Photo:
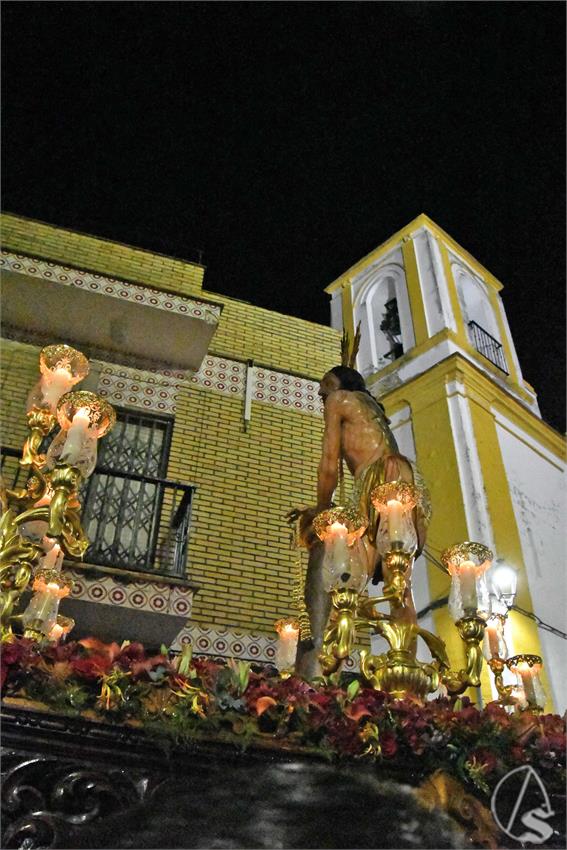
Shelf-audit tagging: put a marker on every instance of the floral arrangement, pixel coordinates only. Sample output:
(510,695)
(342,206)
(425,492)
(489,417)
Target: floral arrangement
(183,699)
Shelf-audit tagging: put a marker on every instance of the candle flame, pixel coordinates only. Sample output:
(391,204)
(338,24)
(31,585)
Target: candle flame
(56,632)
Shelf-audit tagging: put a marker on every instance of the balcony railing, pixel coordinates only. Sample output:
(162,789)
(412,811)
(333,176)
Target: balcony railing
(489,347)
(133,522)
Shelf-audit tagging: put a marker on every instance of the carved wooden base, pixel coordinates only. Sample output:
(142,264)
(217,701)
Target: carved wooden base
(74,783)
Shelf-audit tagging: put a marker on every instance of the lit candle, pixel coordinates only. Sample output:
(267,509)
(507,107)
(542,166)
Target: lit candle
(76,436)
(56,632)
(526,674)
(55,384)
(493,636)
(519,695)
(336,558)
(395,520)
(287,647)
(467,580)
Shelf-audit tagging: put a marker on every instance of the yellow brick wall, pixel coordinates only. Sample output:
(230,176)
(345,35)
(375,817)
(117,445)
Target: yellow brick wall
(282,342)
(26,236)
(246,482)
(19,371)
(245,332)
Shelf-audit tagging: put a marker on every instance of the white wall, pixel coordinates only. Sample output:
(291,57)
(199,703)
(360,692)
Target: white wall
(537,486)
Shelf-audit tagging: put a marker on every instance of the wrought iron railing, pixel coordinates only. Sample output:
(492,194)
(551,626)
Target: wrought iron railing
(134,522)
(489,347)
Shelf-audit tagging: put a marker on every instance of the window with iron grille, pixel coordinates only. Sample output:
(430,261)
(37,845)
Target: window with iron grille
(123,499)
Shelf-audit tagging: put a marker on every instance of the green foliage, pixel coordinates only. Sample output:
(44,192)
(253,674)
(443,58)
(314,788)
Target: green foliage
(184,665)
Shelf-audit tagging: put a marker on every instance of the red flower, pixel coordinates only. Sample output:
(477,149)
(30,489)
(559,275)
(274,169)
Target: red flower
(145,665)
(263,704)
(63,651)
(469,716)
(92,667)
(485,759)
(388,744)
(356,710)
(110,650)
(133,653)
(18,653)
(207,670)
(519,754)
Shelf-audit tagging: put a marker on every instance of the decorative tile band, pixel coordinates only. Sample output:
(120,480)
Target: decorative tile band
(159,597)
(162,598)
(34,267)
(157,390)
(246,646)
(222,643)
(286,391)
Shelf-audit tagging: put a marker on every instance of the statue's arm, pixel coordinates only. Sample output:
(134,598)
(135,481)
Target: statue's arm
(327,477)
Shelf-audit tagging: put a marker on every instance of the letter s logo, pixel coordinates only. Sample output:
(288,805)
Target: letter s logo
(542,831)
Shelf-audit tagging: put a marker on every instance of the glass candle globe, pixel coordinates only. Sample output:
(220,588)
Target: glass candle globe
(395,501)
(527,668)
(344,558)
(467,564)
(84,418)
(286,649)
(50,587)
(343,565)
(494,645)
(61,368)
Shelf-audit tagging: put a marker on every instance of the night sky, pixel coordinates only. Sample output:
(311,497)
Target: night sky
(287,140)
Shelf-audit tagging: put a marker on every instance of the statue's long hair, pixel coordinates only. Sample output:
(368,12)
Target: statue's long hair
(352,381)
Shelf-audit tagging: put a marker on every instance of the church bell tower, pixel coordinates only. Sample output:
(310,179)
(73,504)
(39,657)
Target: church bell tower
(436,349)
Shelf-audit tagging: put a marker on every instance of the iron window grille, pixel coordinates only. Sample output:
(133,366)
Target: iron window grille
(489,347)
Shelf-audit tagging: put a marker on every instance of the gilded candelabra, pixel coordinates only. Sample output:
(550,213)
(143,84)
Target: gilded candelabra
(40,523)
(397,671)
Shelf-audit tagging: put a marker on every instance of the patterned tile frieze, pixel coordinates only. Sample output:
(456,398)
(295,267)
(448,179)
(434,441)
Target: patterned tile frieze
(159,597)
(126,387)
(34,267)
(223,643)
(246,646)
(136,388)
(157,390)
(286,391)
(163,598)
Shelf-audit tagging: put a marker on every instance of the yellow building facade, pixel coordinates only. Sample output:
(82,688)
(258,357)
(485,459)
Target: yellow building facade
(245,427)
(232,390)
